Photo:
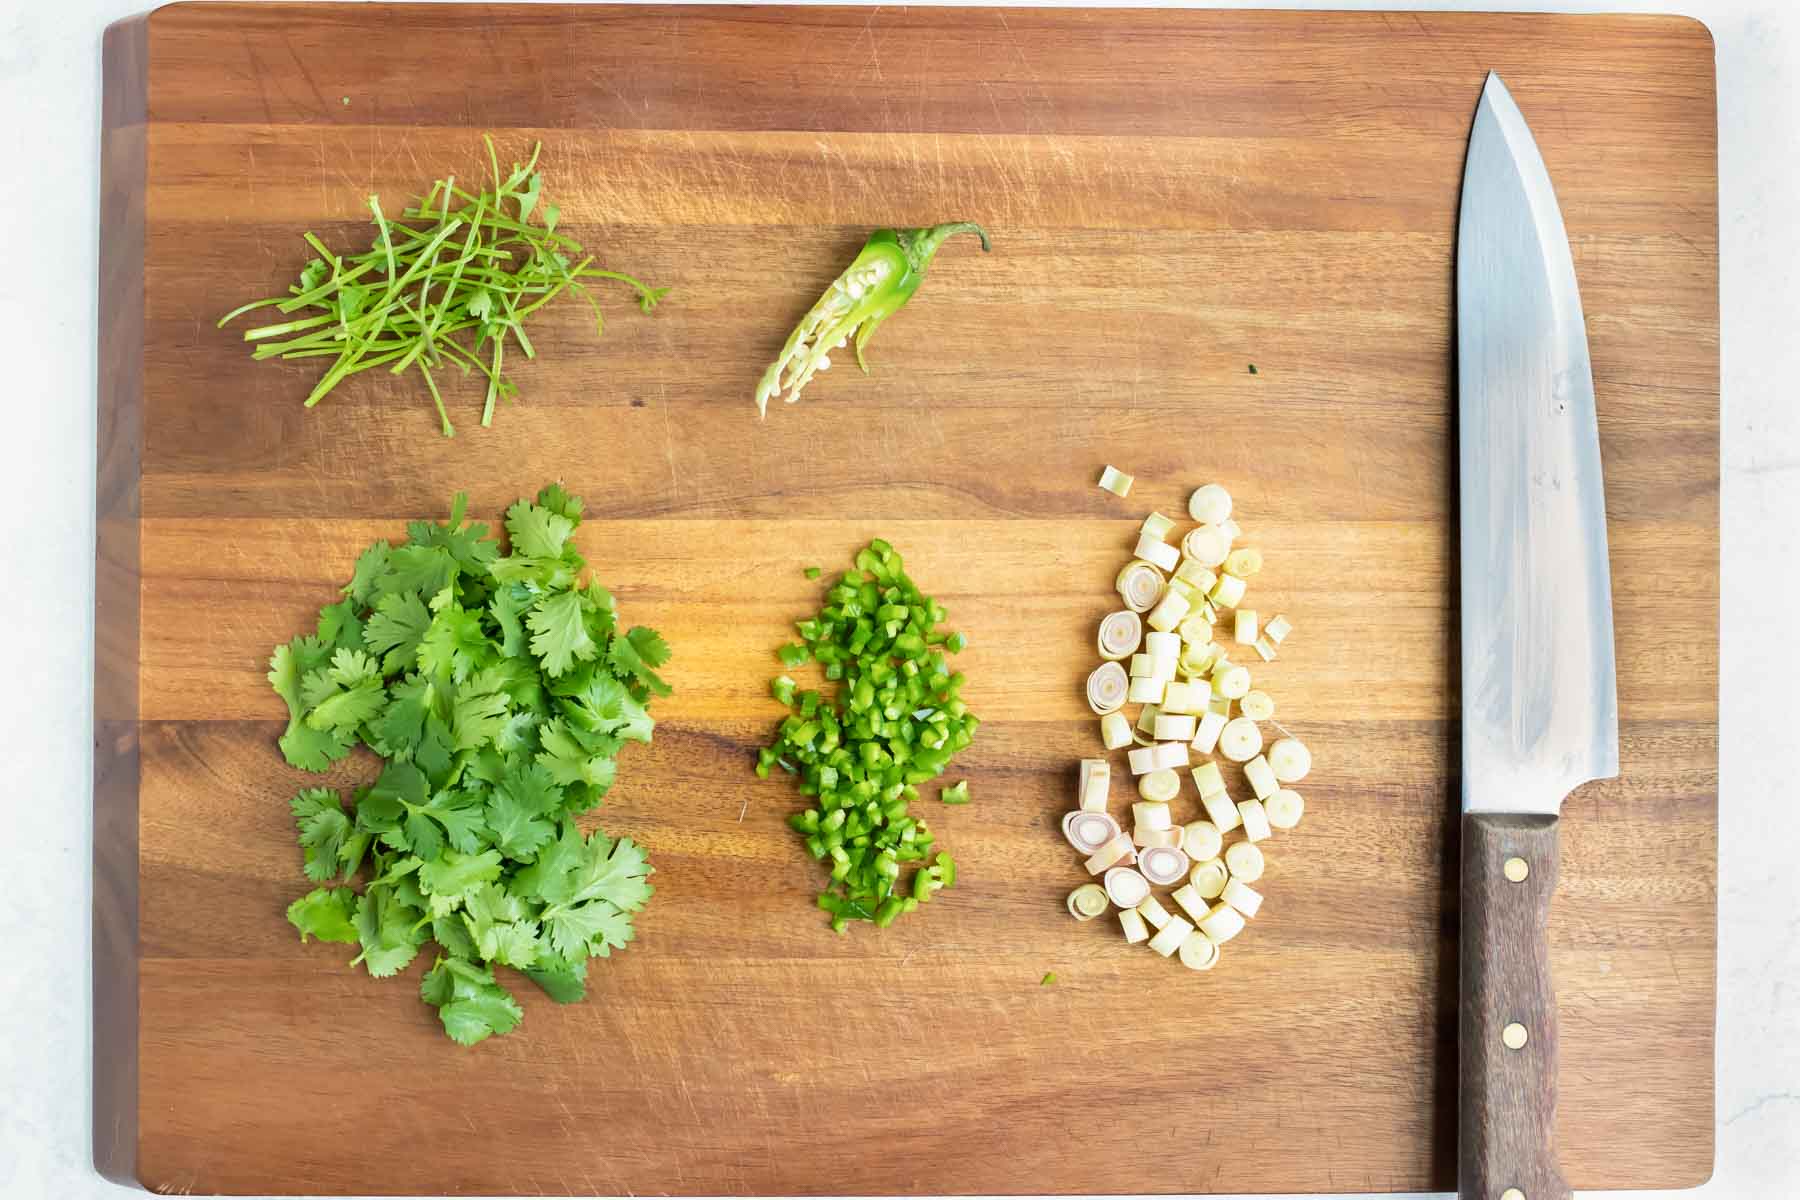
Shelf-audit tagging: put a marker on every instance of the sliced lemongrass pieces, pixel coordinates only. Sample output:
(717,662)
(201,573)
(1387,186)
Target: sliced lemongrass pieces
(1227,592)
(1198,952)
(1206,732)
(1278,628)
(1220,705)
(1191,901)
(1241,896)
(1178,700)
(1156,525)
(1173,728)
(1116,481)
(1146,689)
(1140,585)
(1121,633)
(1194,630)
(1168,939)
(1229,681)
(1158,553)
(1265,650)
(1256,821)
(1243,563)
(1116,852)
(1221,812)
(1168,613)
(1089,832)
(1206,545)
(1243,627)
(1142,760)
(1201,840)
(1115,731)
(1240,740)
(1170,756)
(1258,706)
(1284,809)
(1154,814)
(1087,902)
(1208,878)
(1157,788)
(1164,865)
(1146,720)
(1143,666)
(1222,923)
(1162,644)
(1133,925)
(1153,839)
(1107,686)
(1290,759)
(1153,912)
(1209,504)
(1095,783)
(1195,573)
(1261,777)
(1209,779)
(1126,888)
(1245,861)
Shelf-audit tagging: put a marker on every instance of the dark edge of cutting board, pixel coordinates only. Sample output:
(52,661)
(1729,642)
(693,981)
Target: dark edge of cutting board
(119,422)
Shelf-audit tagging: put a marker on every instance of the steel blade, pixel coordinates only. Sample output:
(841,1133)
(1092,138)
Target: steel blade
(1539,690)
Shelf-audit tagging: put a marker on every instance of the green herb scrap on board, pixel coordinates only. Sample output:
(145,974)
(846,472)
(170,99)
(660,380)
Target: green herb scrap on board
(894,721)
(498,691)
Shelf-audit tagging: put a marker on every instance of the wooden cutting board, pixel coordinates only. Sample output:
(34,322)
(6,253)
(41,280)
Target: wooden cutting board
(1173,196)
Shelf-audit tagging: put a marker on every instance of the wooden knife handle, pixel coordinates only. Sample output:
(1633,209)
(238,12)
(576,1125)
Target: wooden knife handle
(1507,1115)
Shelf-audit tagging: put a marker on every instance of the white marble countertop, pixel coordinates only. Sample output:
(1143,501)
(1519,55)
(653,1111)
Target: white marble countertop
(49,113)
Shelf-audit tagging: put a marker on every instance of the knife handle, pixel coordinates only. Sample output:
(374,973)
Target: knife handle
(1506,1119)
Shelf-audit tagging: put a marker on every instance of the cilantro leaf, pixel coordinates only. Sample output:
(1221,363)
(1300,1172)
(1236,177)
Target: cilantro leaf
(510,603)
(470,1004)
(537,532)
(302,745)
(396,628)
(518,832)
(559,635)
(426,570)
(325,913)
(453,644)
(456,874)
(552,876)
(634,655)
(401,724)
(559,501)
(616,872)
(461,815)
(339,626)
(387,930)
(592,928)
(475,720)
(563,753)
(324,828)
(371,566)
(564,981)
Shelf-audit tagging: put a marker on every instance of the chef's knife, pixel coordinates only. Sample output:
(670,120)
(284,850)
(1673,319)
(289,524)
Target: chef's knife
(1540,713)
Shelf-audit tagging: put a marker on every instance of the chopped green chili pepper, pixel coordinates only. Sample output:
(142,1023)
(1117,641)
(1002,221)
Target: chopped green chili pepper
(1048,979)
(877,283)
(956,795)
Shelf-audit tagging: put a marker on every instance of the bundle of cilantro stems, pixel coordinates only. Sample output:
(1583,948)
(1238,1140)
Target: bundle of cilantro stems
(895,721)
(497,690)
(471,265)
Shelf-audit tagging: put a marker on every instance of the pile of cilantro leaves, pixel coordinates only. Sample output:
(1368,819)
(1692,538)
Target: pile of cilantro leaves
(498,691)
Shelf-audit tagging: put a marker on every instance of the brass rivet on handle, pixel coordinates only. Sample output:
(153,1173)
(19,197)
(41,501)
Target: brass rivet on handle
(1515,1037)
(1512,1194)
(1516,870)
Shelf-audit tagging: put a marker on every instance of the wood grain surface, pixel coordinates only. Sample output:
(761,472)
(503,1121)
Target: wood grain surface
(1173,195)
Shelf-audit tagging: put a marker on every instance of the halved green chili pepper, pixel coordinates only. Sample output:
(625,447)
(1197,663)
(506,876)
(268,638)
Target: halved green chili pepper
(882,278)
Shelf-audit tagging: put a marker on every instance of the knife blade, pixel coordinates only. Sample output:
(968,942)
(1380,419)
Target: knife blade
(1539,686)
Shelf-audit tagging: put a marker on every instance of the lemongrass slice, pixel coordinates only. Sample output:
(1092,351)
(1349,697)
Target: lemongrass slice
(1284,809)
(1265,650)
(1258,706)
(1163,669)
(1198,659)
(1196,573)
(1221,811)
(1151,839)
(1230,681)
(1243,563)
(1207,545)
(1163,865)
(1152,911)
(1141,760)
(1191,901)
(1278,628)
(1170,727)
(1186,591)
(1121,633)
(1162,644)
(1206,609)
(1198,952)
(1209,878)
(1116,481)
(1256,821)
(1209,504)
(1106,688)
(1241,896)
(1156,525)
(1206,732)
(1146,720)
(1125,887)
(1157,552)
(1261,777)
(1154,814)
(1209,779)
(1245,861)
(1168,613)
(1133,925)
(1179,699)
(1115,731)
(1222,923)
(1201,840)
(1158,787)
(1087,831)
(1168,939)
(1220,705)
(1227,592)
(1243,629)
(1095,782)
(1140,585)
(1143,666)
(1240,740)
(1087,902)
(1118,850)
(1146,690)
(1291,759)
(1194,630)
(1170,756)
